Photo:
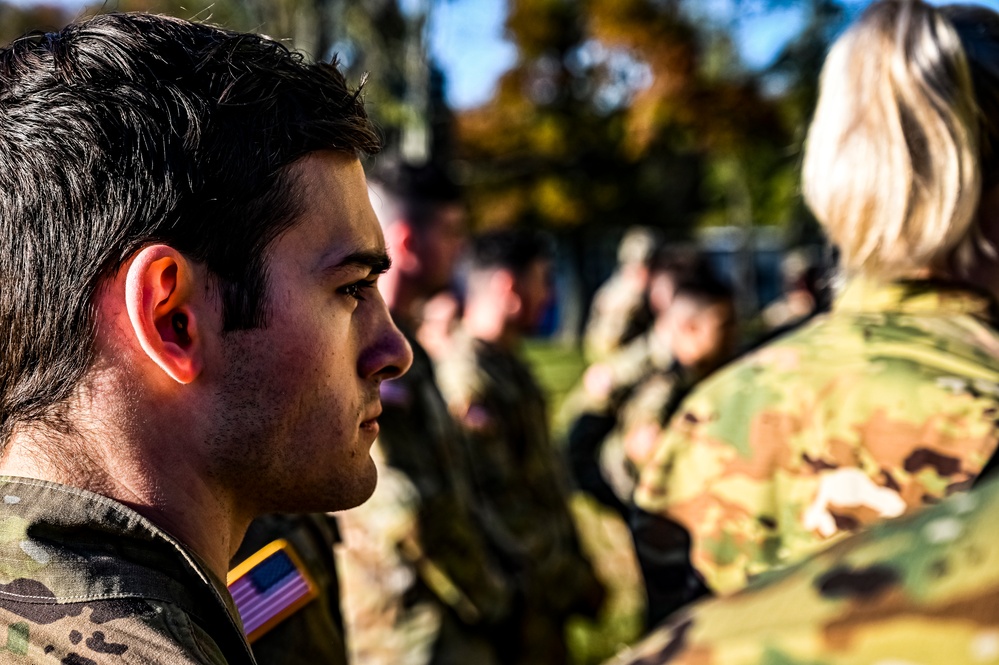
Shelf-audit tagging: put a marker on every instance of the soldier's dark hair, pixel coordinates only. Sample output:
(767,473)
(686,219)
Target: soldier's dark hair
(703,290)
(680,263)
(417,190)
(126,129)
(511,249)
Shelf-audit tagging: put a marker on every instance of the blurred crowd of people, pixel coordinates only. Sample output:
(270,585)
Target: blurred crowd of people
(865,402)
(828,485)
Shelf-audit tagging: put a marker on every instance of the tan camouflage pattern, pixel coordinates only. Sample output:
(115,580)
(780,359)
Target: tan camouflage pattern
(85,580)
(634,384)
(642,418)
(606,384)
(618,314)
(884,405)
(313,635)
(420,584)
(919,590)
(521,483)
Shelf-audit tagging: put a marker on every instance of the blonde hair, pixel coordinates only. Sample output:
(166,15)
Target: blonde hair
(892,166)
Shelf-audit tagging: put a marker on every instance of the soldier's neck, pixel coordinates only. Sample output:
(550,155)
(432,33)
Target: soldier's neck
(170,493)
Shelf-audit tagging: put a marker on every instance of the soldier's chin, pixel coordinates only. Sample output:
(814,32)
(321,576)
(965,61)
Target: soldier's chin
(366,490)
(336,494)
(360,488)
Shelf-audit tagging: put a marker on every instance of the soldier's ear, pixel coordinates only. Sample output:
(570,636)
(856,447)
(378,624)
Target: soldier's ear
(166,309)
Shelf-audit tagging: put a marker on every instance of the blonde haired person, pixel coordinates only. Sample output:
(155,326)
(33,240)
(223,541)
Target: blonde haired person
(891,400)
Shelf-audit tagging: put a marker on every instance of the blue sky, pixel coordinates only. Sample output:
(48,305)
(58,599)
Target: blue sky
(466,38)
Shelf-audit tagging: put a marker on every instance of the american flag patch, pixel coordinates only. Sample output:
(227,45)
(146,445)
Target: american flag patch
(270,586)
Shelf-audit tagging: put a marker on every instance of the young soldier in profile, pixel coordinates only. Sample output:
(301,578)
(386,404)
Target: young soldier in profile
(192,330)
(518,476)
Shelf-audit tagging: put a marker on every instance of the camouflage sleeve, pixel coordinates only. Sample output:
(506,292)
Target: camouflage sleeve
(703,482)
(448,546)
(920,589)
(106,632)
(375,576)
(783,452)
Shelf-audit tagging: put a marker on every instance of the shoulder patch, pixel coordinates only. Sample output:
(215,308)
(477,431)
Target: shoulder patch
(270,586)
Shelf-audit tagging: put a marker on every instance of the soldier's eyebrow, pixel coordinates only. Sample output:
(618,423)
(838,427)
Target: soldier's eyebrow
(377,262)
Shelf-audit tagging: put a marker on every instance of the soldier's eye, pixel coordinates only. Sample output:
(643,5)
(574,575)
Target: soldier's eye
(358,289)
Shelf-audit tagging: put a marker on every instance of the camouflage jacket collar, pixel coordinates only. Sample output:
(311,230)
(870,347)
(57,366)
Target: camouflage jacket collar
(916,297)
(62,544)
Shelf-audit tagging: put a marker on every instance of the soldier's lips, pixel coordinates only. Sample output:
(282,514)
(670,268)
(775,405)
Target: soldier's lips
(370,424)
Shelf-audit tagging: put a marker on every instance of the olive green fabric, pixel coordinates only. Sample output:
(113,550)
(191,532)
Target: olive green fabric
(919,590)
(85,580)
(521,482)
(886,404)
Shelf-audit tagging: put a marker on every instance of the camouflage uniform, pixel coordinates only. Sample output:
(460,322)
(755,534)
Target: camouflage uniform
(420,583)
(619,311)
(520,481)
(619,314)
(887,403)
(661,547)
(87,581)
(590,415)
(314,634)
(923,589)
(645,413)
(609,382)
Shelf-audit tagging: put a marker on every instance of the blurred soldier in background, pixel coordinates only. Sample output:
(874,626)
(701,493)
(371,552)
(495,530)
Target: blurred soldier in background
(698,329)
(888,402)
(805,293)
(592,407)
(420,583)
(440,318)
(517,471)
(620,311)
(702,332)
